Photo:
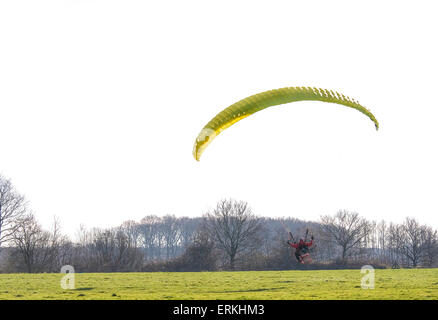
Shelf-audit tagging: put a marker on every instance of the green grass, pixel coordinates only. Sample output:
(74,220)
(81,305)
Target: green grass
(336,284)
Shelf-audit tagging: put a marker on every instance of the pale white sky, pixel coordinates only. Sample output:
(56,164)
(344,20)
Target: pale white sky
(101,101)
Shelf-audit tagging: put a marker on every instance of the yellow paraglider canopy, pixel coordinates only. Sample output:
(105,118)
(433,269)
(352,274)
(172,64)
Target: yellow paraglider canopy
(260,101)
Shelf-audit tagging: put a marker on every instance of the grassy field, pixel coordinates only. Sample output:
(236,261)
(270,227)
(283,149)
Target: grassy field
(336,284)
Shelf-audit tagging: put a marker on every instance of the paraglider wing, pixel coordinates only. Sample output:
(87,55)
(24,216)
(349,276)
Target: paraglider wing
(260,101)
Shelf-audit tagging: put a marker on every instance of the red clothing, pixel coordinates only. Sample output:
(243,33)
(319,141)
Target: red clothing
(300,244)
(293,245)
(301,249)
(308,244)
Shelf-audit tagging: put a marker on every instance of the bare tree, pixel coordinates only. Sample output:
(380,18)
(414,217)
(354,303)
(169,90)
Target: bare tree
(412,246)
(200,254)
(128,256)
(83,253)
(170,227)
(37,250)
(394,244)
(55,251)
(347,229)
(132,231)
(382,235)
(412,240)
(430,244)
(149,236)
(108,250)
(30,240)
(12,208)
(233,228)
(189,227)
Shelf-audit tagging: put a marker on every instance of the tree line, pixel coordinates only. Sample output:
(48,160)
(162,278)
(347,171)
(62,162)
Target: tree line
(228,237)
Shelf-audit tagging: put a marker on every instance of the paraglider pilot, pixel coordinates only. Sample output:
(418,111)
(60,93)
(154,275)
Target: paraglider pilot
(301,248)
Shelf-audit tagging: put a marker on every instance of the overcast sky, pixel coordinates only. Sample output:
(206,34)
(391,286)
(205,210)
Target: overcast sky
(101,102)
